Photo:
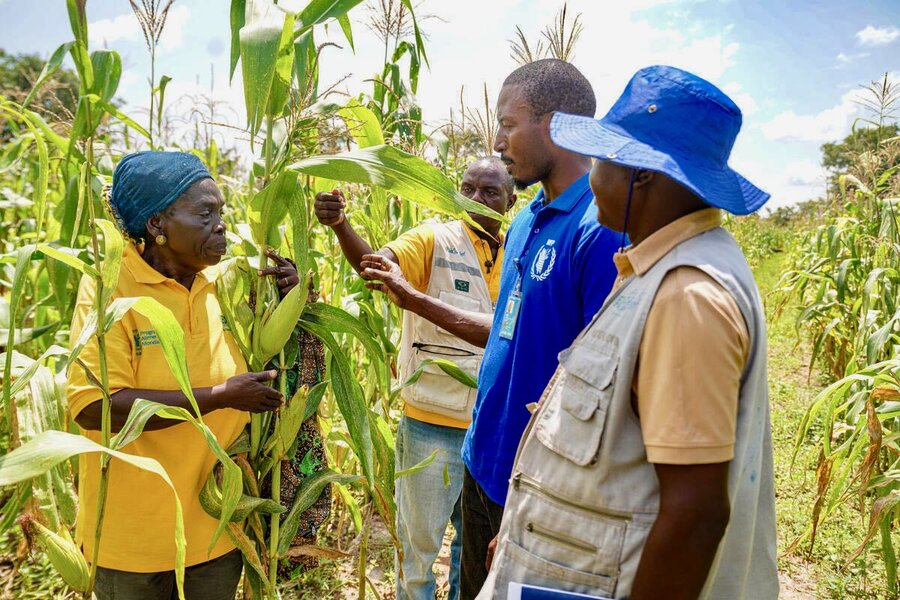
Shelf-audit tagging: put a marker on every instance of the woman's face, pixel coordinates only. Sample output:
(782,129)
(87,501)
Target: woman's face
(194,228)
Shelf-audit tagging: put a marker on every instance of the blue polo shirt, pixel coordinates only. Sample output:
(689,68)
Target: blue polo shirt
(565,260)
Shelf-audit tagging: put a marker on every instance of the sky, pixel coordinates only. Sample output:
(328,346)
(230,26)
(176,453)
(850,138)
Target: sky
(794,68)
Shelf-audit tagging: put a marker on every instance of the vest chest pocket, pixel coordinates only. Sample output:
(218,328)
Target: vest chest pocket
(571,424)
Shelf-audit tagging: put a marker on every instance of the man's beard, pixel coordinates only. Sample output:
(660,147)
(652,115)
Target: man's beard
(522,184)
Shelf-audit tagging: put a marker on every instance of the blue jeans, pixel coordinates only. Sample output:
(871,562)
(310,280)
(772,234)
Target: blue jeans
(425,505)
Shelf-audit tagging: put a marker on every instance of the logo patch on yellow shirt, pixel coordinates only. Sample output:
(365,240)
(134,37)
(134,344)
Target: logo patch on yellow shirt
(144,338)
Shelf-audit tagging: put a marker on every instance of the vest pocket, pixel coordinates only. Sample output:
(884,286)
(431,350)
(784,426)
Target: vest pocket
(571,424)
(436,388)
(524,567)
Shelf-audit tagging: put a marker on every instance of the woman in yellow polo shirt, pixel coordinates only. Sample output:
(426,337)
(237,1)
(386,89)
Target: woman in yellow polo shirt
(170,200)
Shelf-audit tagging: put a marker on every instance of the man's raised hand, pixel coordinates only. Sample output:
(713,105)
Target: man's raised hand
(329,207)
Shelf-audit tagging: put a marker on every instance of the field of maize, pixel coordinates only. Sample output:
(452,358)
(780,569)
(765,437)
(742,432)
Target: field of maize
(830,275)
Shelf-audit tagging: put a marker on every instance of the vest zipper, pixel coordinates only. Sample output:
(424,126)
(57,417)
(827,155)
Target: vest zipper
(560,538)
(520,479)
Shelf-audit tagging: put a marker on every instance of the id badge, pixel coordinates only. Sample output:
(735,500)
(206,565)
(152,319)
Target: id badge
(511,315)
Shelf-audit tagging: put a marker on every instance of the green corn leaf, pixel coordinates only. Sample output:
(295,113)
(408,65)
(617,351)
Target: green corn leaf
(171,339)
(347,29)
(350,400)
(49,69)
(284,66)
(306,63)
(68,256)
(22,378)
(309,492)
(318,11)
(362,124)
(269,207)
(163,83)
(114,246)
(107,107)
(40,191)
(406,175)
(287,426)
(260,38)
(141,412)
(313,399)
(22,335)
(211,501)
(78,22)
(448,367)
(107,67)
(352,505)
(48,449)
(336,320)
(253,567)
(418,466)
(420,44)
(299,212)
(237,16)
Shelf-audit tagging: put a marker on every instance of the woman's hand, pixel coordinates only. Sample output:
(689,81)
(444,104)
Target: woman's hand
(248,392)
(284,271)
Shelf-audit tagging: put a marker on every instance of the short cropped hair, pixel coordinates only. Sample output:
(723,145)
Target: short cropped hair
(508,183)
(551,84)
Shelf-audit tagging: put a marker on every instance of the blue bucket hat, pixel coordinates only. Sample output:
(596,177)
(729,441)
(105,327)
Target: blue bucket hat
(673,122)
(145,183)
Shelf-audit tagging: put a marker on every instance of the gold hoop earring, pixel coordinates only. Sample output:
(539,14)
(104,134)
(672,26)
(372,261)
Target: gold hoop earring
(161,240)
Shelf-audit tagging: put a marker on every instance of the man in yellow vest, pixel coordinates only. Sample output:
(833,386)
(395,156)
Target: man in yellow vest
(433,271)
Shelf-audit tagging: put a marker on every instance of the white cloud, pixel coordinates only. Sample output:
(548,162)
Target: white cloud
(744,100)
(106,32)
(828,125)
(842,60)
(804,173)
(825,126)
(877,36)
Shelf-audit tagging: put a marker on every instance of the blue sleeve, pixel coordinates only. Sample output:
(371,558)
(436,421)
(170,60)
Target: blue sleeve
(594,267)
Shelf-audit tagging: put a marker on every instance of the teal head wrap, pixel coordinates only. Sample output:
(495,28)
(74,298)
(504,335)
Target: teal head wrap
(145,183)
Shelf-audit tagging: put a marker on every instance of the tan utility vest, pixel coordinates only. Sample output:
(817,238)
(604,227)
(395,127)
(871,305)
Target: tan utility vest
(457,279)
(583,497)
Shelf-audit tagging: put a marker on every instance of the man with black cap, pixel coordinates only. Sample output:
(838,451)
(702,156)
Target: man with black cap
(647,471)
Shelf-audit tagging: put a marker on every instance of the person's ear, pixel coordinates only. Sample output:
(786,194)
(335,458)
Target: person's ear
(512,201)
(643,178)
(156,225)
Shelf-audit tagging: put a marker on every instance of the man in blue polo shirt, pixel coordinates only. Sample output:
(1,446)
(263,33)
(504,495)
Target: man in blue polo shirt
(557,273)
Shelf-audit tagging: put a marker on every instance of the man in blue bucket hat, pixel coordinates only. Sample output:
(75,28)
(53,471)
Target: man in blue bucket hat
(647,470)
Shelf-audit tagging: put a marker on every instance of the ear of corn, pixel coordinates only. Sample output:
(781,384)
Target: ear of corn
(64,555)
(275,328)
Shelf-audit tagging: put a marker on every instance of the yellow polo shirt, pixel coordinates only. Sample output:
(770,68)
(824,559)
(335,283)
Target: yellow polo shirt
(415,253)
(693,352)
(139,524)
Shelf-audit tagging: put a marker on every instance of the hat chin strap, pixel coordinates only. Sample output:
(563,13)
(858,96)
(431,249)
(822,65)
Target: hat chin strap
(627,209)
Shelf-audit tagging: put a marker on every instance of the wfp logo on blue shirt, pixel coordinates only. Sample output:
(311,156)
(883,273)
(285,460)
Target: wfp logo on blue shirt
(543,262)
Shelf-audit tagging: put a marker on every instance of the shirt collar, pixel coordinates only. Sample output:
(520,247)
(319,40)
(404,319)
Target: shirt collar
(473,235)
(566,201)
(144,273)
(637,260)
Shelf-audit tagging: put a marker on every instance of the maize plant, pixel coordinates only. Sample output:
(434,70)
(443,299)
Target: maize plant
(846,276)
(332,341)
